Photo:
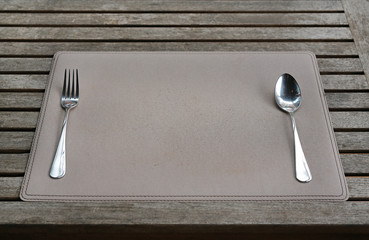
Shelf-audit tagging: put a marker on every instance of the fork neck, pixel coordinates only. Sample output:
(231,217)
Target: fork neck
(66,116)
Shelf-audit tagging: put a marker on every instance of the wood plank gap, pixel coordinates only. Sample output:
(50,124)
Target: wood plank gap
(31,73)
(32,129)
(323,56)
(11,175)
(170,12)
(13,151)
(351,129)
(359,175)
(179,25)
(344,90)
(47,72)
(174,40)
(342,73)
(348,109)
(51,56)
(25,72)
(353,151)
(20,109)
(22,90)
(318,56)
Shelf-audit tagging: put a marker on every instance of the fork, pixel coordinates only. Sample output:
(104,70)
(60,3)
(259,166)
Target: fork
(69,100)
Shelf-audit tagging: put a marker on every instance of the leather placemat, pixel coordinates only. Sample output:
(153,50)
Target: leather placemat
(184,126)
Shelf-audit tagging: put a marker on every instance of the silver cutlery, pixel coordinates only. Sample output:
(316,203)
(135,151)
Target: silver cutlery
(288,97)
(69,100)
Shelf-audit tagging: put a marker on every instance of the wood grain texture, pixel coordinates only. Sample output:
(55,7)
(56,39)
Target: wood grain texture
(15,141)
(20,100)
(357,15)
(174,33)
(50,48)
(350,120)
(9,65)
(344,82)
(340,65)
(170,5)
(352,141)
(358,188)
(193,19)
(25,64)
(18,120)
(355,164)
(351,101)
(32,31)
(10,187)
(13,164)
(181,214)
(23,82)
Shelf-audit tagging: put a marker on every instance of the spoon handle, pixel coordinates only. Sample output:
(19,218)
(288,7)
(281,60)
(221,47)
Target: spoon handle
(301,167)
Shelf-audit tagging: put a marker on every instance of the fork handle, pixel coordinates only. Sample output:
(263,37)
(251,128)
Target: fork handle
(58,167)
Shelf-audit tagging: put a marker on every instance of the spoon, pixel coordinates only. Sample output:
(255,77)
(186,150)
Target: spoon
(288,97)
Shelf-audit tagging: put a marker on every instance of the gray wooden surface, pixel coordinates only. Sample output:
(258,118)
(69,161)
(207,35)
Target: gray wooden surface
(32,31)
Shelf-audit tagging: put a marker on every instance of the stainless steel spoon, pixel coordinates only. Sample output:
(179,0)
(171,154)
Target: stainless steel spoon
(288,97)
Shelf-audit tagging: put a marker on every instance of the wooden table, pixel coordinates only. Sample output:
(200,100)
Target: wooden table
(32,31)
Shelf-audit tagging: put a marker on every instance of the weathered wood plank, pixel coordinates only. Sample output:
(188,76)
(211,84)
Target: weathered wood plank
(25,64)
(340,65)
(358,187)
(23,82)
(352,141)
(50,48)
(15,141)
(335,65)
(355,164)
(346,141)
(344,82)
(172,5)
(357,14)
(11,164)
(350,120)
(193,19)
(10,187)
(174,33)
(16,120)
(20,100)
(182,214)
(342,101)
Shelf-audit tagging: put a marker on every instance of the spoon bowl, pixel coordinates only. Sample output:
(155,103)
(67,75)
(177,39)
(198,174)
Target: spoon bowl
(287,93)
(288,97)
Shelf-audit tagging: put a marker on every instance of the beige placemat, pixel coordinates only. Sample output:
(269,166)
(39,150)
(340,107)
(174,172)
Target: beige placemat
(184,126)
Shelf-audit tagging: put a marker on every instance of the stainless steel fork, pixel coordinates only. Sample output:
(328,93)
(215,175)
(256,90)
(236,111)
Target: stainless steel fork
(69,100)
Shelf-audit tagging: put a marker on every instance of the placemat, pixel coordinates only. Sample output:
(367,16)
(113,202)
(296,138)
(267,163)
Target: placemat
(183,126)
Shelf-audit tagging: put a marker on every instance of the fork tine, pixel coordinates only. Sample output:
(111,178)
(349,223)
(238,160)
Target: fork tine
(65,83)
(72,92)
(68,88)
(77,85)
